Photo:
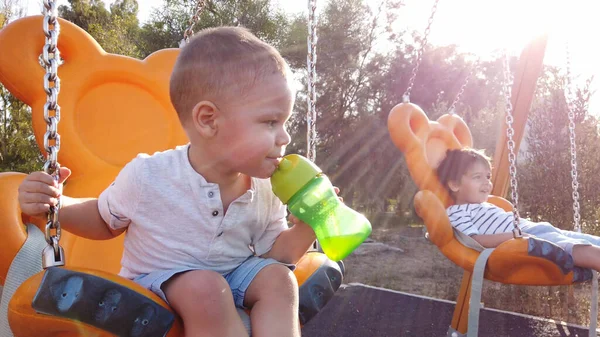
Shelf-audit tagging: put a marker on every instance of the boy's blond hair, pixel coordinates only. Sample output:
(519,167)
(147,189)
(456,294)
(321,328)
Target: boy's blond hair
(219,64)
(457,163)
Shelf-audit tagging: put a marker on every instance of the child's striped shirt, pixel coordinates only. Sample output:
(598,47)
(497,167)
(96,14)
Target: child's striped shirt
(484,218)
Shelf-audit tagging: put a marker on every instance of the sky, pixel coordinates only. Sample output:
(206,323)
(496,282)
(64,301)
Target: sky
(484,26)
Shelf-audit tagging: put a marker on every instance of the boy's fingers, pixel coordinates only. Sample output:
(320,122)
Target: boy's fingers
(336,189)
(38,198)
(38,187)
(44,177)
(39,191)
(293,219)
(64,174)
(41,177)
(36,210)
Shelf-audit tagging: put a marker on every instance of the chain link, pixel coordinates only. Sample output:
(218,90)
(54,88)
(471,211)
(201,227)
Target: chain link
(452,109)
(510,132)
(570,100)
(411,81)
(51,60)
(311,99)
(187,34)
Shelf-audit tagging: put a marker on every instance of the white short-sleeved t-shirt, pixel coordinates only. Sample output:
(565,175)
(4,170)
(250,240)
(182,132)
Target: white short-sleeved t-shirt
(175,218)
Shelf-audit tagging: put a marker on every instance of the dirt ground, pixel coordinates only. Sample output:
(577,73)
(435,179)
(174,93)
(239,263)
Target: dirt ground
(419,268)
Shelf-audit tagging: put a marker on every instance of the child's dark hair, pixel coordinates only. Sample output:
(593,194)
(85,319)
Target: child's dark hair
(457,163)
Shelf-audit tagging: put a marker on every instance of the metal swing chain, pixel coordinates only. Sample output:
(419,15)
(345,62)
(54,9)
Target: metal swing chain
(510,132)
(187,34)
(452,109)
(571,112)
(575,185)
(311,98)
(53,254)
(411,81)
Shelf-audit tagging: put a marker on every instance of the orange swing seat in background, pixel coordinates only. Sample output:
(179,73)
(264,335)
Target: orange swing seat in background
(112,108)
(424,144)
(521,261)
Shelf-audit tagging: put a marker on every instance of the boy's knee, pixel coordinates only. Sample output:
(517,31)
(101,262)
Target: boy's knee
(279,282)
(198,288)
(206,283)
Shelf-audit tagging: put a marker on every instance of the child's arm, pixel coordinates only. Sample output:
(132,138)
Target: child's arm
(461,219)
(292,243)
(79,216)
(493,240)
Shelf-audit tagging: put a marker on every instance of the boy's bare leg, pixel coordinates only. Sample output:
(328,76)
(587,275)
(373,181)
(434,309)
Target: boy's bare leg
(204,301)
(273,298)
(587,256)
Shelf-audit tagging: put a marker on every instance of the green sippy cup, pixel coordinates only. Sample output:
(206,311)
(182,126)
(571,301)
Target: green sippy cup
(310,196)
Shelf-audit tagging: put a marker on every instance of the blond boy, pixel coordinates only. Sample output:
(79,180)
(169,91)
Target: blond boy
(203,228)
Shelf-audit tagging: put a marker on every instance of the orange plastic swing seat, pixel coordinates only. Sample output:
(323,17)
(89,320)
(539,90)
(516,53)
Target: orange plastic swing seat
(112,108)
(424,144)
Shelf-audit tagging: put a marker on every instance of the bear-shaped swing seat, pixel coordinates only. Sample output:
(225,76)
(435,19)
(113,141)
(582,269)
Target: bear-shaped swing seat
(112,108)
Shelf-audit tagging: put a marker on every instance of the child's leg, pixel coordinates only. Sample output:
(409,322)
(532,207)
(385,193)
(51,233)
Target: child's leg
(273,298)
(584,248)
(204,301)
(587,256)
(595,240)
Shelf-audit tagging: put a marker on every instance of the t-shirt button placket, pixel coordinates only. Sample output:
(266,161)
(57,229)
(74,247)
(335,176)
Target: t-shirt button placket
(215,213)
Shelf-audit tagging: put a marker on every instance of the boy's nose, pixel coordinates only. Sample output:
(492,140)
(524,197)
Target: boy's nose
(283,138)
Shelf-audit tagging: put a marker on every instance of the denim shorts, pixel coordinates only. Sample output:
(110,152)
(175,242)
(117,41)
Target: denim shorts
(563,238)
(238,279)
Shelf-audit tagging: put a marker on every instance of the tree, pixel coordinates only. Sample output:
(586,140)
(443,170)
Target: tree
(167,24)
(348,67)
(18,150)
(548,156)
(358,84)
(117,30)
(10,10)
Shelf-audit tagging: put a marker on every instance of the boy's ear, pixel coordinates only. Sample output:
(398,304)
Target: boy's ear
(204,118)
(454,185)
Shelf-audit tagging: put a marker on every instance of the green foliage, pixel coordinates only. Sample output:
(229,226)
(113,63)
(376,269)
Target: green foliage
(167,24)
(363,69)
(117,30)
(18,151)
(545,181)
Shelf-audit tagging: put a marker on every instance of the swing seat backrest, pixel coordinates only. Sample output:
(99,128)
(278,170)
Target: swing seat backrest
(112,108)
(424,144)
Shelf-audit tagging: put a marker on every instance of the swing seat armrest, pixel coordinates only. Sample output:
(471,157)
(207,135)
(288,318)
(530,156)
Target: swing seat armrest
(83,302)
(79,302)
(525,261)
